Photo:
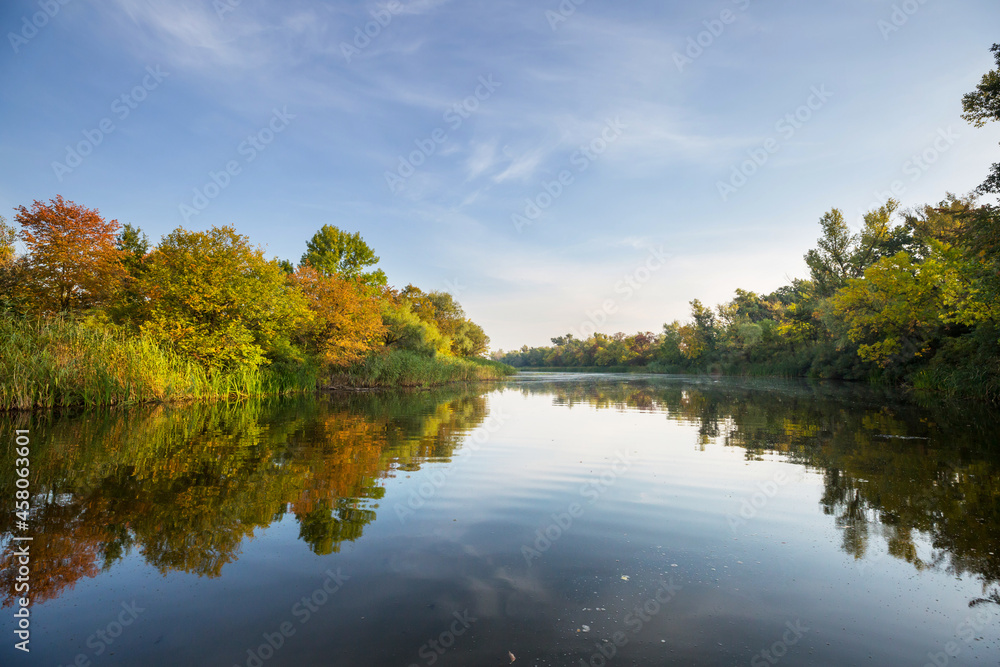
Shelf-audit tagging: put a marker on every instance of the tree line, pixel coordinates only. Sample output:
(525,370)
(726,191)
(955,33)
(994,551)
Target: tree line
(912,296)
(216,299)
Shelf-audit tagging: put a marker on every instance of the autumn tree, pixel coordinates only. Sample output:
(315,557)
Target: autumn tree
(941,222)
(975,295)
(216,299)
(346,323)
(420,303)
(8,237)
(73,262)
(895,310)
(334,252)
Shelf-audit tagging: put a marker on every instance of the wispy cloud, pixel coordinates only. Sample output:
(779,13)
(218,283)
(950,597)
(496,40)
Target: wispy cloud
(481,158)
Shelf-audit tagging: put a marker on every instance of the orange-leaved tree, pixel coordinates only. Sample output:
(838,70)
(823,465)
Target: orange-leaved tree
(347,323)
(73,261)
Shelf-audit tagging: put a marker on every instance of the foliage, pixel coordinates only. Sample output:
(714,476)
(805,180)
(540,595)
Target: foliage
(404,330)
(895,311)
(975,294)
(983,105)
(841,255)
(916,301)
(334,252)
(600,350)
(830,262)
(441,310)
(470,340)
(200,315)
(73,260)
(346,324)
(216,299)
(8,237)
(125,306)
(14,295)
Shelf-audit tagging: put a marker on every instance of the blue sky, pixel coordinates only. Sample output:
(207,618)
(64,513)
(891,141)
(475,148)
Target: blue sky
(566,158)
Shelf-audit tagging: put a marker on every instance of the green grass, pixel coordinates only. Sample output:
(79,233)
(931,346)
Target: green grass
(402,368)
(61,362)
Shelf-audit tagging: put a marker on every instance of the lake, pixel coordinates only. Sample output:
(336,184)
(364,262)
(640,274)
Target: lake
(562,519)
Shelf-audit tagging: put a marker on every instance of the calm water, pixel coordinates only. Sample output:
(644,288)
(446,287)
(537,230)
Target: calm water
(564,519)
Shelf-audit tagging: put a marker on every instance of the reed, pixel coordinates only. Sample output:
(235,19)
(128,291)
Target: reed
(402,368)
(61,362)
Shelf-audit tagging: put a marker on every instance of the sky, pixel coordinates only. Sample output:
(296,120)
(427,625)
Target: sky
(557,166)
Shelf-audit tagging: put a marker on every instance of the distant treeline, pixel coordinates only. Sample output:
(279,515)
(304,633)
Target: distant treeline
(915,302)
(913,296)
(94,314)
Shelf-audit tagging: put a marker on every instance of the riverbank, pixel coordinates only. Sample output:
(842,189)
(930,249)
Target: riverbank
(402,368)
(57,363)
(975,377)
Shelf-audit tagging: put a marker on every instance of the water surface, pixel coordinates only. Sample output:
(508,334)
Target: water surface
(608,519)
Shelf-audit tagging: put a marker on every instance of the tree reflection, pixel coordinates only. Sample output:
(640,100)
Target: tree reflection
(185,486)
(924,478)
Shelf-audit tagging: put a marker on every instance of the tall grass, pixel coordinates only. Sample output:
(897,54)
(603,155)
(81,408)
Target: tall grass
(60,362)
(402,368)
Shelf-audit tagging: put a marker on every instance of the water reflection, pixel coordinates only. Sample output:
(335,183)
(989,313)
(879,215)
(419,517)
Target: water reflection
(912,474)
(185,486)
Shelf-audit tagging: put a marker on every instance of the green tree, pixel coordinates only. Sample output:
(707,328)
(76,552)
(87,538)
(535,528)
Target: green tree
(441,310)
(841,255)
(334,252)
(698,337)
(216,299)
(878,238)
(830,262)
(406,331)
(983,105)
(470,340)
(437,308)
(128,301)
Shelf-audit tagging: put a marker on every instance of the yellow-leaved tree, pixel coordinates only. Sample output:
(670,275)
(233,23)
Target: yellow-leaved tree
(215,298)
